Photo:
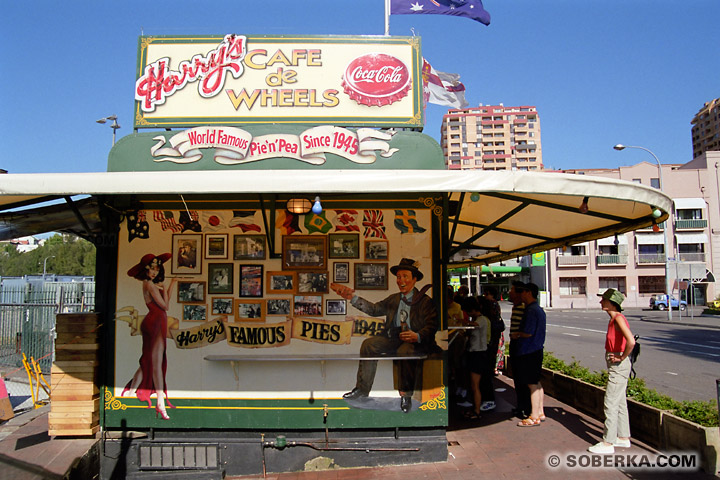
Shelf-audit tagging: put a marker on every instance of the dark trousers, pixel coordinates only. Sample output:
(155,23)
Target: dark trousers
(381,345)
(522,391)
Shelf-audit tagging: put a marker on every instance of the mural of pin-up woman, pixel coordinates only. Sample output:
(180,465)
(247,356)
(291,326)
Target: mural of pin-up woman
(150,375)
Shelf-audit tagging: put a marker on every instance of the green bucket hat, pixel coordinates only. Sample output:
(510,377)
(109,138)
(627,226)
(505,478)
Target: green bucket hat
(614,296)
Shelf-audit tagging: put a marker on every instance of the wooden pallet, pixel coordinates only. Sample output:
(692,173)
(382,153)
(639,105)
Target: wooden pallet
(75,398)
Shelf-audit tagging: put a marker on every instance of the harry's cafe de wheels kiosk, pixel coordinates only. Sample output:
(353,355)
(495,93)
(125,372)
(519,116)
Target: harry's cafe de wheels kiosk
(266,173)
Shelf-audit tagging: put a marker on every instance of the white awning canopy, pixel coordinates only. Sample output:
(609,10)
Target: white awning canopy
(686,238)
(689,203)
(499,214)
(650,238)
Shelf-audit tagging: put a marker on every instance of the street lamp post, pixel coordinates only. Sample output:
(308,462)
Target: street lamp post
(114,125)
(668,288)
(45,265)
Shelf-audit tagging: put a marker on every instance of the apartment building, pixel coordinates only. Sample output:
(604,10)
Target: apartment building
(635,263)
(706,128)
(492,137)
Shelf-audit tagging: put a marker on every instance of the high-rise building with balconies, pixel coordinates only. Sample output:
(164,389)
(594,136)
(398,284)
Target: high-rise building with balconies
(492,137)
(706,128)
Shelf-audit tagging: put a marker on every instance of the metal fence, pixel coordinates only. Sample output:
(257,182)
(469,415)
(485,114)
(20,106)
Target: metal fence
(27,325)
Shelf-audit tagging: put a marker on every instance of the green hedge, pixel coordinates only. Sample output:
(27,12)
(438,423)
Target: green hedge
(702,413)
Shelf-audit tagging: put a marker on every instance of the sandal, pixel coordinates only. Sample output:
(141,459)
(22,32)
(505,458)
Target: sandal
(542,417)
(529,422)
(472,415)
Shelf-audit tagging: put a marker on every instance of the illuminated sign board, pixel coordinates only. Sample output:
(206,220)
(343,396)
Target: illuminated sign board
(186,81)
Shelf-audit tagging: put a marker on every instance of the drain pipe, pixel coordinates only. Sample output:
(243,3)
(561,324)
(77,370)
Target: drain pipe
(281,443)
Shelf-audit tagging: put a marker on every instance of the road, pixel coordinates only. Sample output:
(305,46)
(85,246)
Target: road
(677,360)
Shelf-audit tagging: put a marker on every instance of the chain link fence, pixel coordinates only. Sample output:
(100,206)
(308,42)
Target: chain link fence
(27,326)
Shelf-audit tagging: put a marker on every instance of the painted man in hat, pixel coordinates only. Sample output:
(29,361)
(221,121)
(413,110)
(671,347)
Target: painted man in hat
(411,321)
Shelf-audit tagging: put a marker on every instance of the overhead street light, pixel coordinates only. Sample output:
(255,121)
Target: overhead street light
(45,265)
(114,125)
(668,288)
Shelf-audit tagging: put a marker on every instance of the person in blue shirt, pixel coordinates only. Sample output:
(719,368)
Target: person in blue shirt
(411,321)
(531,341)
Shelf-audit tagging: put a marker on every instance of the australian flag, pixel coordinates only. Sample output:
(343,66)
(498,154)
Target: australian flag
(472,9)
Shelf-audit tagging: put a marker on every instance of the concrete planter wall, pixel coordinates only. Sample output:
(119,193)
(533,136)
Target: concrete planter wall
(655,427)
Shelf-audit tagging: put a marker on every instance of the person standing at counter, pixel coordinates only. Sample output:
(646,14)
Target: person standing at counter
(411,321)
(531,339)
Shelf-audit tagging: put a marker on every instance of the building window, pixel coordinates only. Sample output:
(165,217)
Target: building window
(572,286)
(689,214)
(655,183)
(618,283)
(636,180)
(651,284)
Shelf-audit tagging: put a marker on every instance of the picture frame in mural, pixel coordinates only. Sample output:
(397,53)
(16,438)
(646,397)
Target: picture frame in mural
(251,281)
(344,245)
(220,278)
(304,252)
(307,305)
(194,313)
(221,306)
(335,306)
(249,310)
(281,281)
(249,247)
(216,246)
(341,272)
(186,253)
(376,250)
(371,276)
(313,282)
(278,306)
(190,292)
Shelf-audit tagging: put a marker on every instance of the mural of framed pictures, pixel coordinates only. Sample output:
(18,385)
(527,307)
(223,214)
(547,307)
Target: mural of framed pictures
(376,249)
(307,305)
(278,306)
(371,276)
(186,250)
(335,307)
(249,310)
(341,272)
(312,282)
(216,245)
(344,245)
(194,313)
(220,278)
(302,252)
(281,281)
(191,292)
(251,280)
(221,306)
(248,247)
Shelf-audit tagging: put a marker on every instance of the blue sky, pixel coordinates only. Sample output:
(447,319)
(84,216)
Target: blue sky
(599,72)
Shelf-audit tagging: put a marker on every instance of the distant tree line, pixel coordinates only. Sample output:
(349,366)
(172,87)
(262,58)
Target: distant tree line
(65,254)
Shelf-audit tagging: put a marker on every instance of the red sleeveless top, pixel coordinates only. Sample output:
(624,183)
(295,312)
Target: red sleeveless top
(614,339)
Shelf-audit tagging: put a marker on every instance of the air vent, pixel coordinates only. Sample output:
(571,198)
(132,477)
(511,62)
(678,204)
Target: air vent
(178,456)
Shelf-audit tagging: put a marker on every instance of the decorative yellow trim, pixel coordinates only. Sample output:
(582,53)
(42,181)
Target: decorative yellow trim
(435,403)
(430,203)
(112,403)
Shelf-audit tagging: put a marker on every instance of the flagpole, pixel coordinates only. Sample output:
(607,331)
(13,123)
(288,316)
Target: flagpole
(387,18)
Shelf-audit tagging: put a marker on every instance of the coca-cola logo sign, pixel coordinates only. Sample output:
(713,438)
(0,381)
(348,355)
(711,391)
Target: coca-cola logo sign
(376,79)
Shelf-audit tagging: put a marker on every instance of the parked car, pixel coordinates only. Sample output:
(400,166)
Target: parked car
(659,302)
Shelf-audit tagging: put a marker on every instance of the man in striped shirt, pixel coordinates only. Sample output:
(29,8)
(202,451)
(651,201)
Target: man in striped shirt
(522,392)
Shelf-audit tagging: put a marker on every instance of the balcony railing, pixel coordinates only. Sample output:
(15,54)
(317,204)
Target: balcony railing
(691,257)
(572,260)
(697,224)
(612,259)
(650,258)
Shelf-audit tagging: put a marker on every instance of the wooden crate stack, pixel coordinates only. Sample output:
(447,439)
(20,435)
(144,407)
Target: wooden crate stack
(75,398)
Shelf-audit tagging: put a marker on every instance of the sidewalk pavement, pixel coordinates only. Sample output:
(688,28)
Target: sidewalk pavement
(492,446)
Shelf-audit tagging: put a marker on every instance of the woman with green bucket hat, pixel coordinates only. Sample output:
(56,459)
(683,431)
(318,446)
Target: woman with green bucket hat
(619,342)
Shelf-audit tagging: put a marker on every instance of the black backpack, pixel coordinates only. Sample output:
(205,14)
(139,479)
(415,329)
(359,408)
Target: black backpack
(634,354)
